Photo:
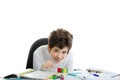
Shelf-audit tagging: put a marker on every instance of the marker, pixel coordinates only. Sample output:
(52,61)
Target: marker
(96,75)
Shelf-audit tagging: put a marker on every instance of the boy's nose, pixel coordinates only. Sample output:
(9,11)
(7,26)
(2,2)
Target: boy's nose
(60,55)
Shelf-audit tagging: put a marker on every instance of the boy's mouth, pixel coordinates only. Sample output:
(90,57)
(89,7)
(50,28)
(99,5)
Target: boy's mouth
(57,60)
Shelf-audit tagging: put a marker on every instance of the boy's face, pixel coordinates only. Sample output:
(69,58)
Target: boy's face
(58,54)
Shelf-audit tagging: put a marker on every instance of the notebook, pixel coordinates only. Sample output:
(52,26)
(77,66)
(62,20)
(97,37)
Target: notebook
(38,75)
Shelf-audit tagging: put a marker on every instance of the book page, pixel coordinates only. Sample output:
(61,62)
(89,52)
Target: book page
(38,74)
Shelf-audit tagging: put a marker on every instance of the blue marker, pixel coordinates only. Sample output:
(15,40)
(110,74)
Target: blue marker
(96,75)
(75,73)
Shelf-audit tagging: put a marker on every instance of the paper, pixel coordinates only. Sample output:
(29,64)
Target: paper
(39,74)
(80,74)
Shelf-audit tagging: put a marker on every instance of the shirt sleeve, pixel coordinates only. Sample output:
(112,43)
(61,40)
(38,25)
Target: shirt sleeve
(37,60)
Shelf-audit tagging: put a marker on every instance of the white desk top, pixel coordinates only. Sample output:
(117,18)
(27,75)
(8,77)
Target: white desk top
(83,76)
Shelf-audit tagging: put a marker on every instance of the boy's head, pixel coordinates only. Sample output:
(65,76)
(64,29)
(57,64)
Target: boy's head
(60,38)
(59,44)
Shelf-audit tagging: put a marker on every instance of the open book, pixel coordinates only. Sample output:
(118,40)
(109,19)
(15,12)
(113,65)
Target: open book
(30,75)
(38,75)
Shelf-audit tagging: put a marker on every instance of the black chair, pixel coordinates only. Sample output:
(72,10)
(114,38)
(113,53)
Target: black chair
(35,45)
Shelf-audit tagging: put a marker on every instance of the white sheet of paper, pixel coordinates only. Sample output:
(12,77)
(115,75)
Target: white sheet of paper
(39,74)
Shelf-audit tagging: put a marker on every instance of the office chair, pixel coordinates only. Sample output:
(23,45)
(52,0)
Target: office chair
(35,45)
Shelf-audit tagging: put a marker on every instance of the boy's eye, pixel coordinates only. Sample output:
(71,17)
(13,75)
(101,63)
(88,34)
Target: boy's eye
(64,52)
(56,50)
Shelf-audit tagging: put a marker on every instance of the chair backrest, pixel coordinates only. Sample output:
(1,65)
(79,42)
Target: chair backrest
(35,45)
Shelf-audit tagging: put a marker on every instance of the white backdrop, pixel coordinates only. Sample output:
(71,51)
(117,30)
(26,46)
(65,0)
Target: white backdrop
(94,24)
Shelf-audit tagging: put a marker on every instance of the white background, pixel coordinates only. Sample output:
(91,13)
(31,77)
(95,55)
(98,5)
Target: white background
(95,25)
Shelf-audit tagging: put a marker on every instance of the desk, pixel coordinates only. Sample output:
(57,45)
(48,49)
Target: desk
(88,76)
(41,75)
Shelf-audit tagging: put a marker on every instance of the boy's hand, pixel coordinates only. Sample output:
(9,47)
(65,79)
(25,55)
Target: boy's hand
(48,64)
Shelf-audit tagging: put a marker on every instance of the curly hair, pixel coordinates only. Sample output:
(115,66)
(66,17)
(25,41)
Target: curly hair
(60,38)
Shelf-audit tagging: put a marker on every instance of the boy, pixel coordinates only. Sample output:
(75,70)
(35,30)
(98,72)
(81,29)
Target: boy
(56,54)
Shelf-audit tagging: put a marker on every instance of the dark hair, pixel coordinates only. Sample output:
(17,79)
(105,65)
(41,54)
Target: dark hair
(60,38)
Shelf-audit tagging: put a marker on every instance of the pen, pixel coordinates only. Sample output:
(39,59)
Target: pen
(96,75)
(115,75)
